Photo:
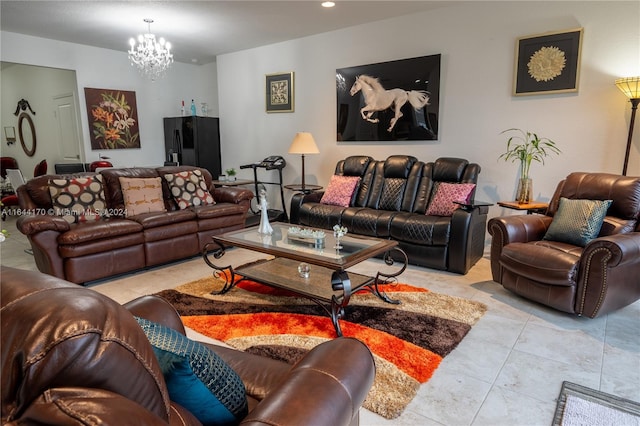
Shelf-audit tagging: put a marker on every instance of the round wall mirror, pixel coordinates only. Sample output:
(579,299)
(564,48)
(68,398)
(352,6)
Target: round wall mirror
(27,134)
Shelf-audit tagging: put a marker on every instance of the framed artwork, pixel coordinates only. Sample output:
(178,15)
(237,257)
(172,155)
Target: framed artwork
(389,101)
(113,118)
(548,63)
(279,92)
(10,134)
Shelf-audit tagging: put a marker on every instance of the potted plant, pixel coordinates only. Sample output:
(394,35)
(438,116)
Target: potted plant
(527,147)
(231,174)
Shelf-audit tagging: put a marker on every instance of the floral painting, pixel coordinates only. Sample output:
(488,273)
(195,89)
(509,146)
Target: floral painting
(113,118)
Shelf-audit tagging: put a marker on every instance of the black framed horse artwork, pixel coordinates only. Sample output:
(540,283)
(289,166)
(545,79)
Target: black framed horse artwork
(389,101)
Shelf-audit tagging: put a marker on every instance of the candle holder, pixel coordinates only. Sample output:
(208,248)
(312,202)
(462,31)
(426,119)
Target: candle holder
(338,233)
(303,270)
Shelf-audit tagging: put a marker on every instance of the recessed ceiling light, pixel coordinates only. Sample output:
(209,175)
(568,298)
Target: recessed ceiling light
(328,4)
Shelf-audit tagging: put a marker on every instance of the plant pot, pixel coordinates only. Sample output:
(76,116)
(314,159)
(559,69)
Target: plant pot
(231,178)
(524,195)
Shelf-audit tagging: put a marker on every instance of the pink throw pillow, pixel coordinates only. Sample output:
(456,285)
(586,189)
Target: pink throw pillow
(443,204)
(340,190)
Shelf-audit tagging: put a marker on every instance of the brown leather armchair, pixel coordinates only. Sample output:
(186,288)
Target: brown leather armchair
(593,280)
(71,356)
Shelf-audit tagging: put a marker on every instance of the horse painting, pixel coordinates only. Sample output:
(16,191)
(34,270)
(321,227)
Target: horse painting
(378,99)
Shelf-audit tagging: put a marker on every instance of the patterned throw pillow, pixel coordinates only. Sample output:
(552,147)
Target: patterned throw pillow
(577,221)
(340,190)
(196,377)
(78,199)
(142,195)
(446,193)
(189,188)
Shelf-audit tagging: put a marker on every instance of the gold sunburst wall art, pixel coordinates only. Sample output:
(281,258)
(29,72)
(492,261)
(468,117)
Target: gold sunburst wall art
(548,63)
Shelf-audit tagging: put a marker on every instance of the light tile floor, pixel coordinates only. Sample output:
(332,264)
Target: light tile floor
(507,371)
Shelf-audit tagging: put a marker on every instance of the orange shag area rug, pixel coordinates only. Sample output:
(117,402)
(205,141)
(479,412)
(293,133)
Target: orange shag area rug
(408,340)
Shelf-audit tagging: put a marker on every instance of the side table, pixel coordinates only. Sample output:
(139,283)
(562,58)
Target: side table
(237,182)
(532,207)
(305,189)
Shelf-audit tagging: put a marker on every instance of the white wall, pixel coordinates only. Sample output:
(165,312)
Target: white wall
(110,69)
(477,43)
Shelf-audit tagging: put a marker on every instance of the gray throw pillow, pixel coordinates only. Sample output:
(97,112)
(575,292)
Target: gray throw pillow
(577,221)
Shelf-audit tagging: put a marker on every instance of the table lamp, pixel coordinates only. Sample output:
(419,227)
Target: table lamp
(630,86)
(303,143)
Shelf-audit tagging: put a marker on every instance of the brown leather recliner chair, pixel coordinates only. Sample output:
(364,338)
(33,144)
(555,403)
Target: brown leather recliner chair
(71,356)
(593,280)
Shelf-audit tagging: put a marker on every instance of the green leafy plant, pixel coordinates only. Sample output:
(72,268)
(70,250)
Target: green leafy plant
(231,172)
(527,147)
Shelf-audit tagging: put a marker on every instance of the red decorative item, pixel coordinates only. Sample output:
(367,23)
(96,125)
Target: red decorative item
(96,164)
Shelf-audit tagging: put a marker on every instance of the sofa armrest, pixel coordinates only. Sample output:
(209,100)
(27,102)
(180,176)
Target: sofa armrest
(43,232)
(156,309)
(298,200)
(234,195)
(608,274)
(326,387)
(466,240)
(30,225)
(513,229)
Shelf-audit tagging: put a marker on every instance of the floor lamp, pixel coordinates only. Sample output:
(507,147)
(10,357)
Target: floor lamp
(303,143)
(630,86)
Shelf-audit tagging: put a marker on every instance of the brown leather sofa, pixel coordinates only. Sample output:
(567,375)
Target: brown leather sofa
(83,252)
(589,281)
(390,202)
(71,356)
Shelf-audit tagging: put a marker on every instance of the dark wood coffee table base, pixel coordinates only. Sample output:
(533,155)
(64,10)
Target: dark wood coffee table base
(282,273)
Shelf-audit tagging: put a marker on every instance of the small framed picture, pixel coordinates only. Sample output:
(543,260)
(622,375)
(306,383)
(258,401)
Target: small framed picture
(279,92)
(10,134)
(548,63)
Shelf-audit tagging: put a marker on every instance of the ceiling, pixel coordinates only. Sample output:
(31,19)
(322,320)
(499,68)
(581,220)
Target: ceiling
(198,30)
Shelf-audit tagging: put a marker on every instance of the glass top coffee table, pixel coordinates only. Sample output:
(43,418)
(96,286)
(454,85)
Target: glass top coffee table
(308,263)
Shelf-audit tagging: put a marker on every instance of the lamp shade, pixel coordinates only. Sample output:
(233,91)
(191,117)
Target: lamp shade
(303,143)
(630,86)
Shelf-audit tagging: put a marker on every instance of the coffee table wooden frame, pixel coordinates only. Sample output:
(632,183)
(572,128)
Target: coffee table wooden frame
(329,285)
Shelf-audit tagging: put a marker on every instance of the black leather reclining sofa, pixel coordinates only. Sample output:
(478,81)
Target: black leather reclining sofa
(390,201)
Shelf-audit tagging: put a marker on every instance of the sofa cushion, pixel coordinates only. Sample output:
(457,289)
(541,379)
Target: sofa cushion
(78,199)
(577,221)
(189,188)
(157,219)
(142,195)
(104,229)
(340,190)
(446,193)
(551,262)
(197,378)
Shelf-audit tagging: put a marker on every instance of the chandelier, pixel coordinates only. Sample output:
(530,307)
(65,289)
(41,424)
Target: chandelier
(151,57)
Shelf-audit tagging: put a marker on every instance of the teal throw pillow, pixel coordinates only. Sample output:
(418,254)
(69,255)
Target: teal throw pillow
(577,221)
(196,377)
